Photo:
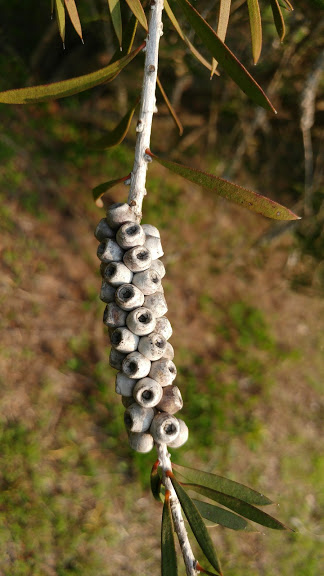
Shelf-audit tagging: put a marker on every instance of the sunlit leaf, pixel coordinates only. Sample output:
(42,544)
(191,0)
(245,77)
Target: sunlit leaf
(117,135)
(225,57)
(220,516)
(222,484)
(222,25)
(74,16)
(197,525)
(170,107)
(168,550)
(65,88)
(137,9)
(246,198)
(100,190)
(239,506)
(183,36)
(278,19)
(114,7)
(60,16)
(256,28)
(156,482)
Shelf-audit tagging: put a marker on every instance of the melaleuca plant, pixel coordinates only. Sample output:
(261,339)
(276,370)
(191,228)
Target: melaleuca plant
(132,271)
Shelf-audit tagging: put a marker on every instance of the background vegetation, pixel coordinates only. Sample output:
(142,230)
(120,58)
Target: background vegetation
(244,298)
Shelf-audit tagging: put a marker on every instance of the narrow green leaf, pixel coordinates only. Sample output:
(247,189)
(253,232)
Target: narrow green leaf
(222,484)
(286,4)
(168,551)
(74,16)
(197,525)
(243,508)
(220,516)
(65,88)
(278,19)
(225,57)
(60,16)
(172,111)
(100,190)
(117,135)
(137,9)
(183,36)
(114,7)
(222,25)
(256,28)
(156,482)
(246,198)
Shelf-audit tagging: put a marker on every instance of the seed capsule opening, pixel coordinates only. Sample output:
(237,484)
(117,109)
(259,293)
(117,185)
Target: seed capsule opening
(143,255)
(126,293)
(144,318)
(132,230)
(147,395)
(110,270)
(169,428)
(160,343)
(116,338)
(132,366)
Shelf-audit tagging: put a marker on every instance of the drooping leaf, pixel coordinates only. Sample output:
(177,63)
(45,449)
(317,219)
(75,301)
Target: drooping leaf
(183,36)
(60,16)
(197,524)
(137,9)
(256,28)
(170,107)
(286,4)
(222,484)
(114,8)
(220,516)
(239,506)
(65,88)
(100,190)
(246,198)
(74,16)
(117,135)
(168,551)
(156,482)
(222,25)
(225,57)
(278,19)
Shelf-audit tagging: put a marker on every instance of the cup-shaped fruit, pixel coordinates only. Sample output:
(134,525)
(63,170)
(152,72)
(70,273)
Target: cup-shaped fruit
(137,418)
(124,385)
(136,366)
(117,273)
(148,281)
(129,297)
(152,346)
(158,266)
(124,340)
(107,292)
(114,316)
(151,230)
(137,259)
(182,436)
(130,235)
(141,442)
(163,327)
(163,371)
(164,428)
(157,303)
(171,400)
(109,251)
(141,321)
(147,392)
(169,351)
(154,245)
(116,359)
(103,231)
(118,214)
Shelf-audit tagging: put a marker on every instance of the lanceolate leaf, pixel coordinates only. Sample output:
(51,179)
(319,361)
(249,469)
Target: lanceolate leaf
(65,88)
(233,192)
(74,16)
(223,485)
(100,190)
(222,25)
(278,19)
(114,7)
(220,516)
(117,135)
(168,551)
(137,9)
(60,15)
(287,4)
(170,107)
(225,57)
(197,525)
(256,28)
(246,510)
(156,482)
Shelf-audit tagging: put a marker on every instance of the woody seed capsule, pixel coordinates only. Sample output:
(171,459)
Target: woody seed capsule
(130,235)
(135,365)
(148,281)
(138,258)
(157,303)
(141,442)
(117,273)
(137,418)
(129,297)
(158,266)
(124,385)
(163,371)
(124,340)
(151,230)
(168,352)
(152,346)
(163,327)
(171,400)
(182,436)
(118,214)
(110,251)
(164,428)
(116,359)
(155,247)
(147,392)
(127,401)
(107,293)
(114,316)
(141,321)
(103,231)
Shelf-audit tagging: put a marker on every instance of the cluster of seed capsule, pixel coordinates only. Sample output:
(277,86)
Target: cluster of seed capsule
(138,328)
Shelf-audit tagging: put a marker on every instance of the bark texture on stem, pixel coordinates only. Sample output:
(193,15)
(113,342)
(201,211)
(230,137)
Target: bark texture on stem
(144,124)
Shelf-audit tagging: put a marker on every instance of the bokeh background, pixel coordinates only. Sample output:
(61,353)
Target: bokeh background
(244,294)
